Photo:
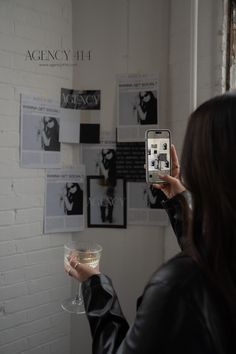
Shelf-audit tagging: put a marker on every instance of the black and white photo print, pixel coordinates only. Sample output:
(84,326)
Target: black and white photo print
(106,204)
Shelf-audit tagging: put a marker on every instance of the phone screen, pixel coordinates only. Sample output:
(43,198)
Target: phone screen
(157,155)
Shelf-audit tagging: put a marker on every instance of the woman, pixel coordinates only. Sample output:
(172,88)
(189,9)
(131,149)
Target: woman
(50,134)
(108,171)
(147,108)
(108,167)
(107,205)
(73,199)
(189,304)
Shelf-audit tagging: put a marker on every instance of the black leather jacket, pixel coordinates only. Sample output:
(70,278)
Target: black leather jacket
(179,312)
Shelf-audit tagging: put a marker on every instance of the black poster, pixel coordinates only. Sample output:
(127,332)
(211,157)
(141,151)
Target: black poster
(130,160)
(80,99)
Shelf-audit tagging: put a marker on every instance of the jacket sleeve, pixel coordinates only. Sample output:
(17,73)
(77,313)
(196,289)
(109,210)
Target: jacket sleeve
(107,323)
(175,210)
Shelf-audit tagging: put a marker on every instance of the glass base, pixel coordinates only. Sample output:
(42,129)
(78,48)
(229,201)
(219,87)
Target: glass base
(73,305)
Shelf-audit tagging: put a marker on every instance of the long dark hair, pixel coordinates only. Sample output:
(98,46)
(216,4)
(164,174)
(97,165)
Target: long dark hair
(208,170)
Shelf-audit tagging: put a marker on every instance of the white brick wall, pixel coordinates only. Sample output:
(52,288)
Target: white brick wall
(32,280)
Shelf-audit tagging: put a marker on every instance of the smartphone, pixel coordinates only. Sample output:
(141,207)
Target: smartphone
(158,160)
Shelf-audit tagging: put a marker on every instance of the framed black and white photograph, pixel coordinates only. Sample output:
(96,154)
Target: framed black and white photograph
(106,203)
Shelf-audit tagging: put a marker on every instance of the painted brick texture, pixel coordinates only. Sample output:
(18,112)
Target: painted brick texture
(32,281)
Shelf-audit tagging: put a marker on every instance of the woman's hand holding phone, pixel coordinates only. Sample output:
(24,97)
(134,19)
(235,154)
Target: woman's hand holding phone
(172,185)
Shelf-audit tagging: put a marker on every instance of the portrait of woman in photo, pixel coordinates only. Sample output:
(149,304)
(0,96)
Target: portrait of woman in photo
(107,166)
(49,132)
(108,171)
(73,199)
(107,205)
(146,108)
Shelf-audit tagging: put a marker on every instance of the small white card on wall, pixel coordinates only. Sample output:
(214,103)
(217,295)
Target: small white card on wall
(70,126)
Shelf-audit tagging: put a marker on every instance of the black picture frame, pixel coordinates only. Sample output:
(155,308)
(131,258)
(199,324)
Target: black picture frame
(106,204)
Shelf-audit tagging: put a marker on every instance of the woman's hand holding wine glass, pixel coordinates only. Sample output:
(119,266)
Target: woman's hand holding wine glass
(81,260)
(80,271)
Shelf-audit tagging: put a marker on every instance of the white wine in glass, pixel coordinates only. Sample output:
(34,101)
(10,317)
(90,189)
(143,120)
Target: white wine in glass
(86,253)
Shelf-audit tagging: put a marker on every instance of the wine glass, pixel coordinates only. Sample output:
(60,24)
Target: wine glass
(87,253)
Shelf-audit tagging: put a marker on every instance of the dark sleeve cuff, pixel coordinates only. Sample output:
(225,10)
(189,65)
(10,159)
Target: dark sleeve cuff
(107,323)
(174,208)
(98,293)
(94,280)
(176,200)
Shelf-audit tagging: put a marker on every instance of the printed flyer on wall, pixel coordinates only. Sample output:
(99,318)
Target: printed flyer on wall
(144,205)
(137,105)
(64,200)
(40,127)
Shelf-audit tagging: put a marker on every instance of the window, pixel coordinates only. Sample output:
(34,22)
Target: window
(231,47)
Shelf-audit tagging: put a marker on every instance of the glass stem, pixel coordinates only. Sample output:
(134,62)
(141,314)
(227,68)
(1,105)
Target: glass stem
(78,292)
